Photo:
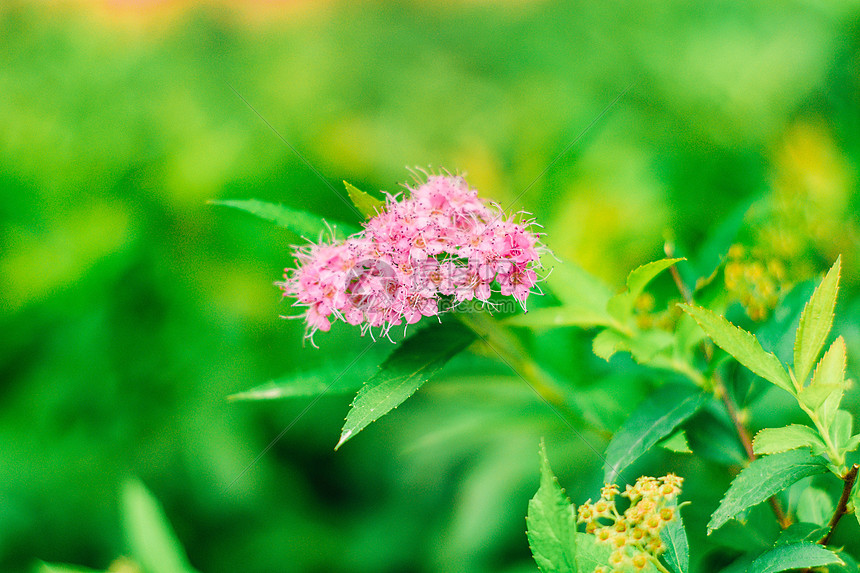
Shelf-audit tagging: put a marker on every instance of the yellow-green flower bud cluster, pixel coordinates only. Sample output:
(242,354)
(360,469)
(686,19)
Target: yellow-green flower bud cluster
(634,535)
(754,283)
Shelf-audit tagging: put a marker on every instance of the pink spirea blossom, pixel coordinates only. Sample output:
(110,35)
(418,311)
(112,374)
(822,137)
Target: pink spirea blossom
(439,240)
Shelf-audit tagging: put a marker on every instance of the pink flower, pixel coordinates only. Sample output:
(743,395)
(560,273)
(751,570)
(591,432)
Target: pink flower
(440,241)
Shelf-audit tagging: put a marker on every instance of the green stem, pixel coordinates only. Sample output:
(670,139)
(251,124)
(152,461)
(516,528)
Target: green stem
(837,459)
(659,566)
(508,348)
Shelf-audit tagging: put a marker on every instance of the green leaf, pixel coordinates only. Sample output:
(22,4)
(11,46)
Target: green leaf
(325,379)
(778,440)
(368,205)
(840,431)
(742,345)
(608,342)
(794,556)
(814,506)
(412,363)
(621,305)
(797,532)
(301,223)
(762,479)
(152,541)
(824,393)
(62,568)
(815,322)
(653,419)
(590,554)
(558,316)
(677,443)
(551,524)
(674,536)
(853,443)
(719,239)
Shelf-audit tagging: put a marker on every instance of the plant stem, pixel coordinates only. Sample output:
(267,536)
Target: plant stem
(744,435)
(659,566)
(732,411)
(509,349)
(849,479)
(721,389)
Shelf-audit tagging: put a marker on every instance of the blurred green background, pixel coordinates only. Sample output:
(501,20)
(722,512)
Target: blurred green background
(130,308)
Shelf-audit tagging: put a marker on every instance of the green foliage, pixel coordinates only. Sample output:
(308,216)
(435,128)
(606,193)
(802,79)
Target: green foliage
(556,316)
(815,323)
(301,223)
(824,393)
(60,568)
(814,506)
(409,366)
(650,422)
(677,443)
(583,297)
(366,204)
(791,437)
(151,540)
(621,305)
(130,309)
(742,345)
(552,524)
(312,382)
(590,553)
(674,535)
(762,479)
(799,532)
(794,556)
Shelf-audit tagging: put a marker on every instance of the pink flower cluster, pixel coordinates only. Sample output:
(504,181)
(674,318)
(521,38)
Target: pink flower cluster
(440,242)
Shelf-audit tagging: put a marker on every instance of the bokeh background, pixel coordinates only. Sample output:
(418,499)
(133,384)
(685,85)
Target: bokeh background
(130,309)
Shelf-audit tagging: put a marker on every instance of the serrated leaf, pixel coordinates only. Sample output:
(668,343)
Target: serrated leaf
(762,479)
(794,556)
(558,316)
(778,440)
(674,536)
(814,506)
(827,380)
(551,524)
(590,554)
(677,443)
(653,419)
(797,532)
(367,205)
(742,345)
(608,342)
(815,322)
(151,539)
(647,346)
(301,223)
(621,305)
(410,365)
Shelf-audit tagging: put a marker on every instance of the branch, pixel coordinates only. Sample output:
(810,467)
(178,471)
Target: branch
(720,388)
(849,479)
